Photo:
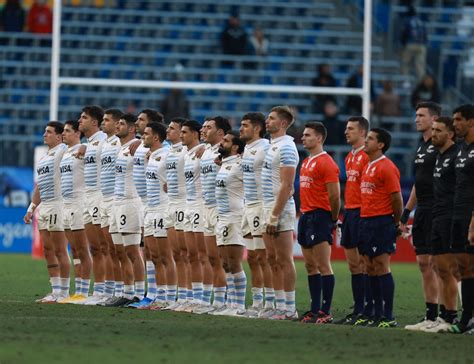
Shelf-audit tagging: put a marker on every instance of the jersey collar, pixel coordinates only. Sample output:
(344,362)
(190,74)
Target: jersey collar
(355,151)
(230,158)
(377,160)
(317,155)
(276,140)
(255,143)
(94,136)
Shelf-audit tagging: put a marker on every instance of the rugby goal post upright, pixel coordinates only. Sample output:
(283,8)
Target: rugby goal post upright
(57,81)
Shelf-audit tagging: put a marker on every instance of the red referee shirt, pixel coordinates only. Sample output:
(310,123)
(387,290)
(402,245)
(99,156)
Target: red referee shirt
(315,172)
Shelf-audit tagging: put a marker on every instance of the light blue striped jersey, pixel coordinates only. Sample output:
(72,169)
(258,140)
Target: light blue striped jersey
(192,175)
(108,157)
(49,180)
(72,174)
(282,152)
(124,185)
(252,162)
(209,171)
(92,161)
(139,167)
(175,172)
(156,178)
(229,187)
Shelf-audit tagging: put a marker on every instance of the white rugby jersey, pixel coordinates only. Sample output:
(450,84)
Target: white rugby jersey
(156,178)
(124,185)
(139,167)
(282,152)
(208,174)
(175,172)
(252,162)
(49,180)
(229,187)
(108,157)
(92,161)
(192,175)
(72,174)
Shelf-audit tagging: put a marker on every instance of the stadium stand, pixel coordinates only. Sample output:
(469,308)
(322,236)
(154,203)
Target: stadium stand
(179,40)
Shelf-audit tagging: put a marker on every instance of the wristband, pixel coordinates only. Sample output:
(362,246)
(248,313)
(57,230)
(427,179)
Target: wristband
(405,216)
(31,208)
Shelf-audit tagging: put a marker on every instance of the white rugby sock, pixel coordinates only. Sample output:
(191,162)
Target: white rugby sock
(280,299)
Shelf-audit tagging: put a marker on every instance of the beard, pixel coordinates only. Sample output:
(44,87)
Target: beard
(223,152)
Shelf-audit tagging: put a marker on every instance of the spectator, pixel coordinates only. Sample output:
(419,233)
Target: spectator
(388,102)
(12,17)
(175,104)
(234,37)
(426,90)
(413,39)
(40,18)
(335,128)
(258,42)
(324,79)
(354,102)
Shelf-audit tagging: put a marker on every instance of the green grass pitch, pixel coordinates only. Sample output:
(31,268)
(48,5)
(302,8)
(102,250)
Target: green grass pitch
(33,333)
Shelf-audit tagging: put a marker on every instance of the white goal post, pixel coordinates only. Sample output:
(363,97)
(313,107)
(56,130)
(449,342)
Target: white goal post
(57,81)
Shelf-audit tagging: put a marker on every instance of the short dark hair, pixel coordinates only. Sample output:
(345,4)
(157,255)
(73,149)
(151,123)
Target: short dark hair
(466,111)
(256,119)
(285,113)
(178,120)
(129,118)
(237,141)
(447,121)
(433,107)
(318,127)
(383,136)
(58,127)
(363,122)
(222,123)
(194,125)
(95,112)
(153,115)
(73,123)
(115,113)
(158,129)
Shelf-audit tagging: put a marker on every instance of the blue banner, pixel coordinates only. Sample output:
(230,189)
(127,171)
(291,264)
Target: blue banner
(15,236)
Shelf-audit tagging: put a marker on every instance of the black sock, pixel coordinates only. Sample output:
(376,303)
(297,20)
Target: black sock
(358,293)
(451,316)
(328,283)
(431,311)
(314,283)
(442,311)
(467,288)
(377,296)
